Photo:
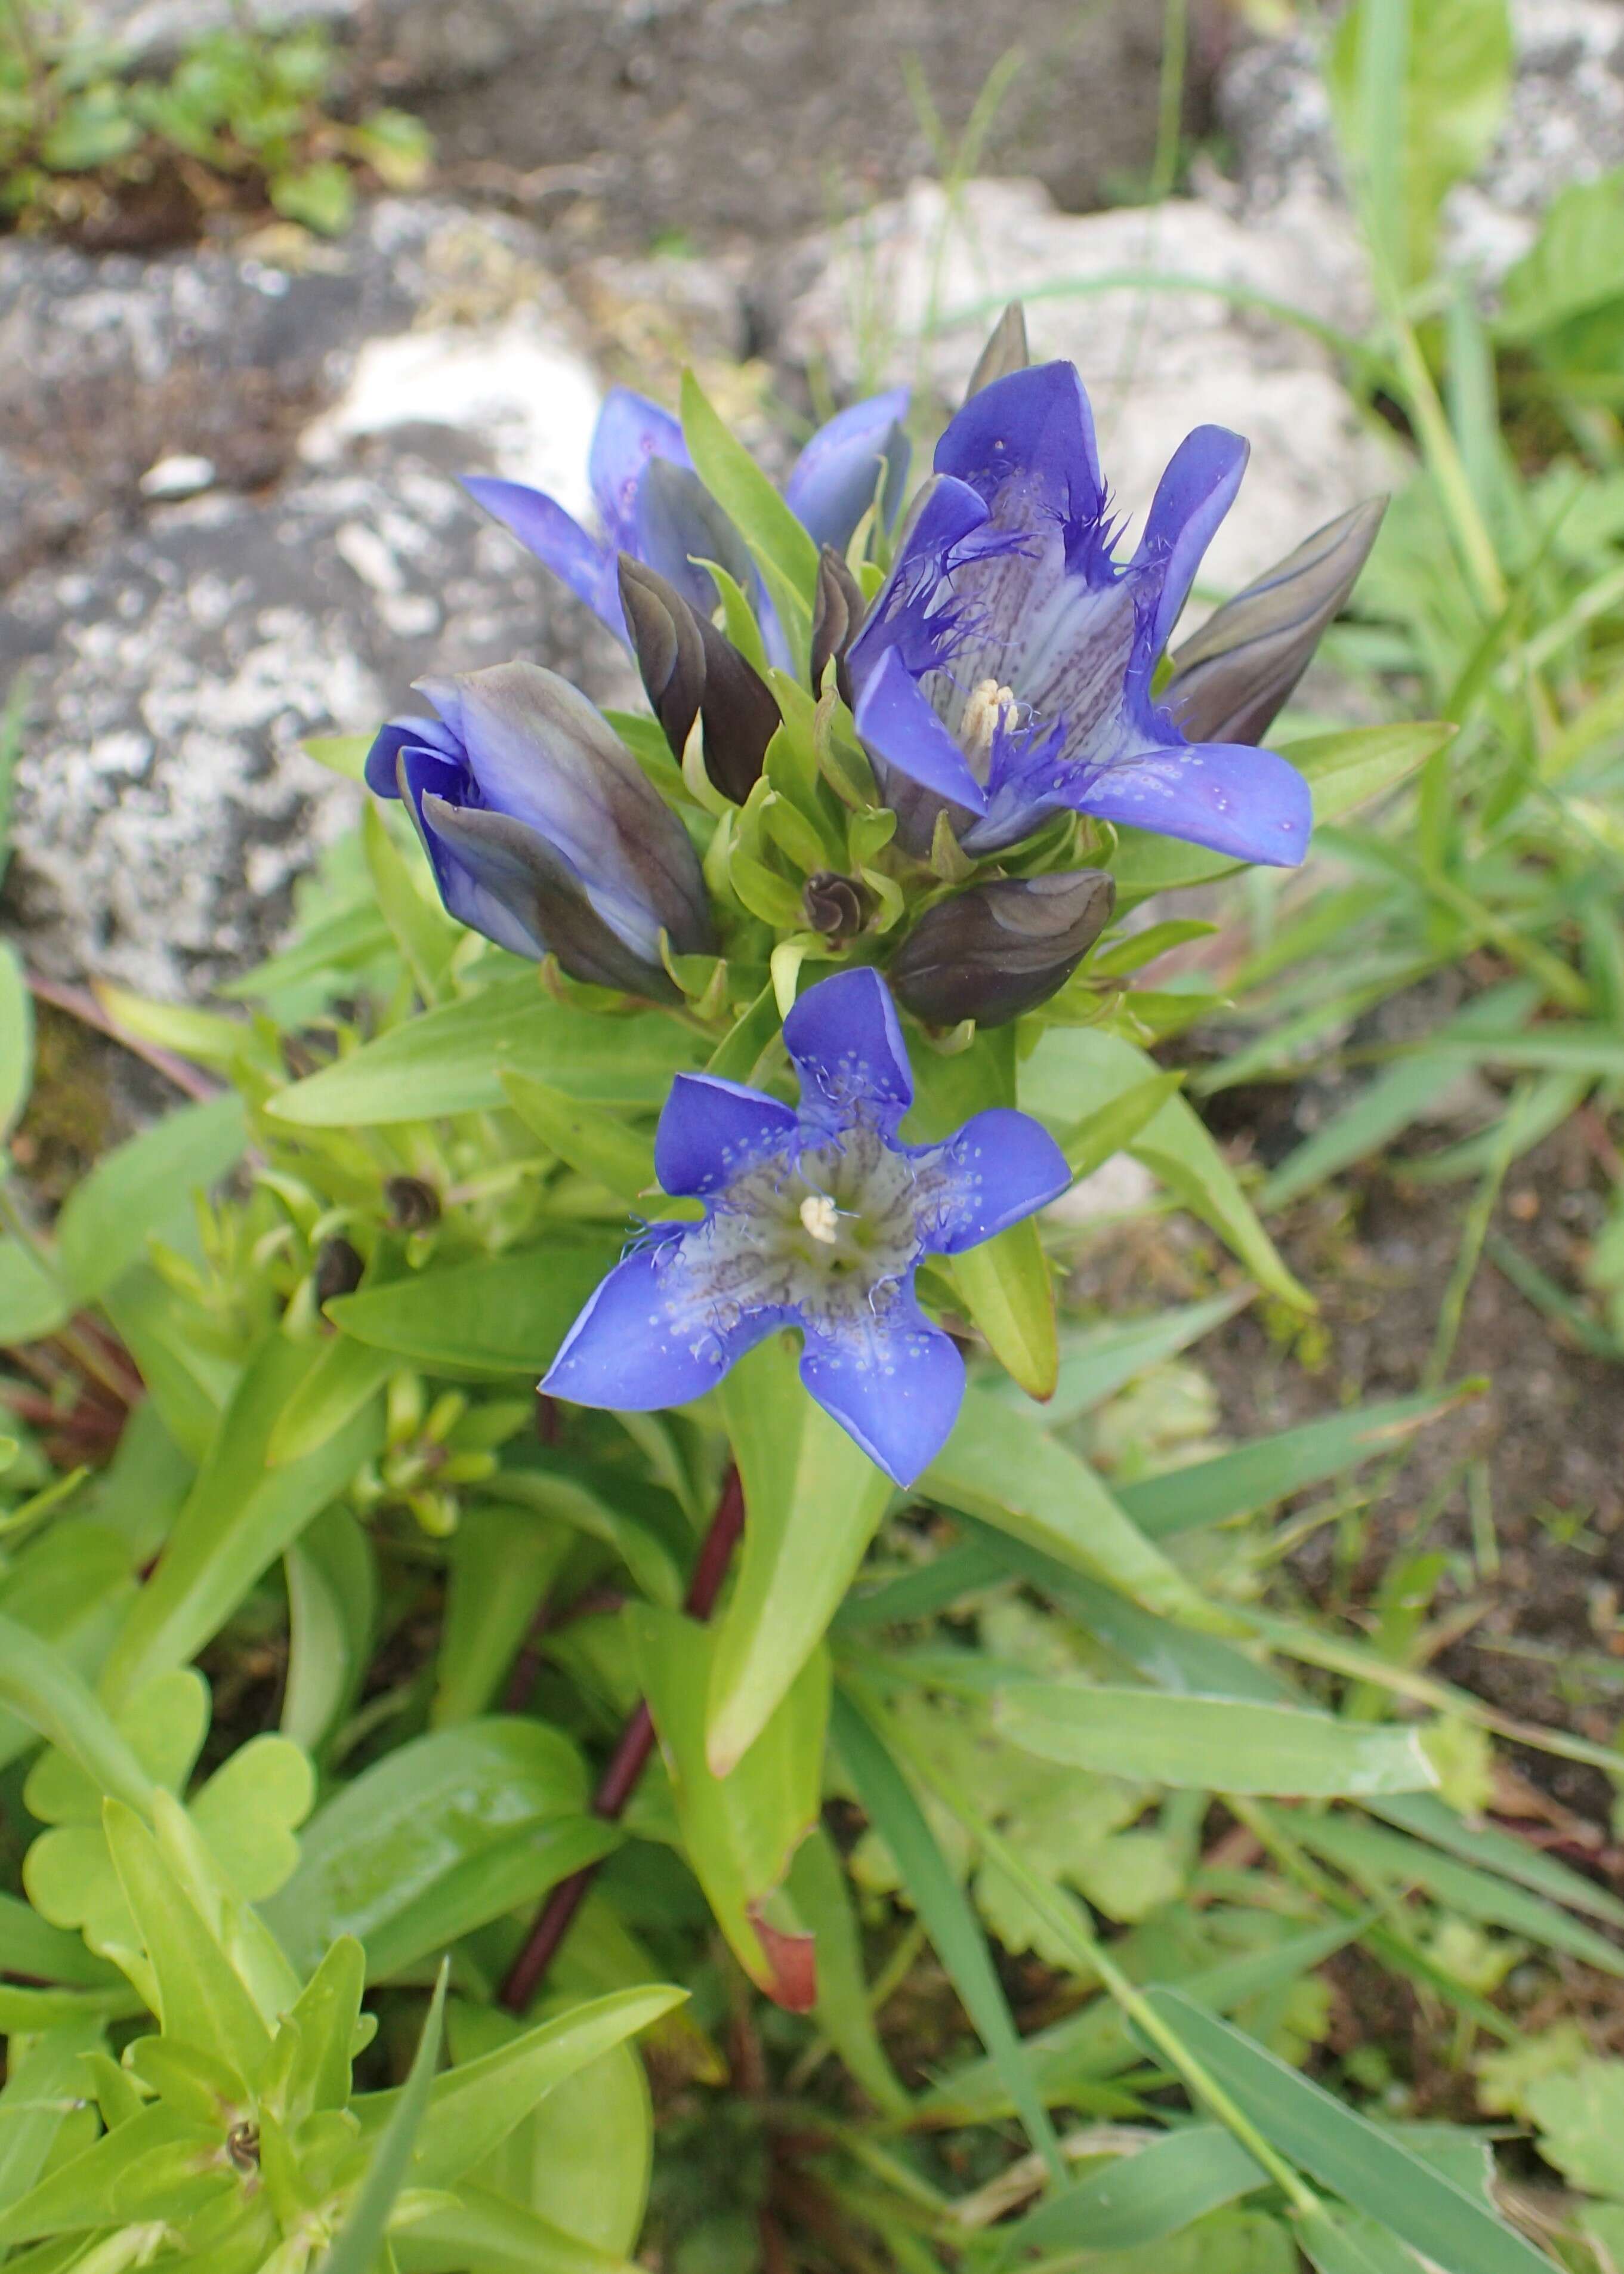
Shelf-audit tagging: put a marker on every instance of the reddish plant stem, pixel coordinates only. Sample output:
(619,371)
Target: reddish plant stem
(79,1003)
(625,1764)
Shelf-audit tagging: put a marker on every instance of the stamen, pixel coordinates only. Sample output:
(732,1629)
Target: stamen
(820,1218)
(988,706)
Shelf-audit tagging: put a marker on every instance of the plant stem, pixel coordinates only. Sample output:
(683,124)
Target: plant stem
(627,1763)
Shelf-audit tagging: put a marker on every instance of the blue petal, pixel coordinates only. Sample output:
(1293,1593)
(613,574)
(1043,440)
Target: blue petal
(676,523)
(408,734)
(1250,803)
(1005,1165)
(555,537)
(895,719)
(466,896)
(1191,498)
(630,431)
(894,1381)
(847,1048)
(633,1349)
(1036,422)
(833,482)
(710,1130)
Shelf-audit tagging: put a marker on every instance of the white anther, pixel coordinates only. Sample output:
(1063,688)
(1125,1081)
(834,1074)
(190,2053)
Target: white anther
(987,707)
(820,1217)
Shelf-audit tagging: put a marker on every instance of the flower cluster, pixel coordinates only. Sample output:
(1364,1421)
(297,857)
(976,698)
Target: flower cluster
(881,738)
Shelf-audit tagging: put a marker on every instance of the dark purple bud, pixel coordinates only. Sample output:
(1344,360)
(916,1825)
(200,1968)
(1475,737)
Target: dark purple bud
(1001,949)
(1232,678)
(740,715)
(338,1271)
(1006,350)
(671,655)
(837,618)
(688,666)
(413,1205)
(836,905)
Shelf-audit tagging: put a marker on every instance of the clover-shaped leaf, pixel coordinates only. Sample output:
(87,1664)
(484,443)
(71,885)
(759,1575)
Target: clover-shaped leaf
(246,1814)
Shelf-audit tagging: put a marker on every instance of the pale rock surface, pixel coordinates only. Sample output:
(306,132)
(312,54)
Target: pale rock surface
(912,290)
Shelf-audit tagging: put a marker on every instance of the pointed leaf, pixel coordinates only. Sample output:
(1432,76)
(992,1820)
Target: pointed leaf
(238,1519)
(739,1832)
(1369,2168)
(888,1802)
(813,1502)
(1006,1289)
(1211,1744)
(592,1143)
(361,2238)
(202,2000)
(145,1186)
(1003,1466)
(474,2107)
(452,1061)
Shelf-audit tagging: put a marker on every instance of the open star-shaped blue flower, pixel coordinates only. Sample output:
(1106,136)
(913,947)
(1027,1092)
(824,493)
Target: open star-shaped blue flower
(1005,670)
(651,504)
(815,1218)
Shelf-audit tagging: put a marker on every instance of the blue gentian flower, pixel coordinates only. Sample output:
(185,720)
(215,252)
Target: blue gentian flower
(1005,670)
(815,1219)
(542,830)
(651,504)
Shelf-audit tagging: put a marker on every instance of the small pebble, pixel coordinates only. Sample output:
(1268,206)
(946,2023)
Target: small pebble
(180,477)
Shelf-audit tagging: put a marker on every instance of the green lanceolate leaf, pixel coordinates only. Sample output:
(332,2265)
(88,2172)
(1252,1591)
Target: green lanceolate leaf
(426,936)
(1006,1289)
(474,2106)
(1369,2168)
(818,1890)
(592,1143)
(16,1039)
(1001,1465)
(452,1061)
(356,2249)
(43,2081)
(429,1843)
(1379,1859)
(1257,1475)
(345,1376)
(332,1578)
(1212,1744)
(40,1686)
(888,1802)
(813,1502)
(33,1301)
(503,1560)
(775,538)
(740,1830)
(505,1314)
(1139,2198)
(1076,1071)
(202,2000)
(143,1187)
(240,1516)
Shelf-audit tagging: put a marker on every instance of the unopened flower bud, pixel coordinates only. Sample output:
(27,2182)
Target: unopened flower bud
(837,618)
(413,1205)
(665,640)
(338,1271)
(1006,350)
(1001,949)
(690,669)
(740,716)
(1231,680)
(836,905)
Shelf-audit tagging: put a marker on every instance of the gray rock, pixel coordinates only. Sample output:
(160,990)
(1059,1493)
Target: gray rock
(1564,123)
(176,650)
(163,806)
(110,364)
(912,291)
